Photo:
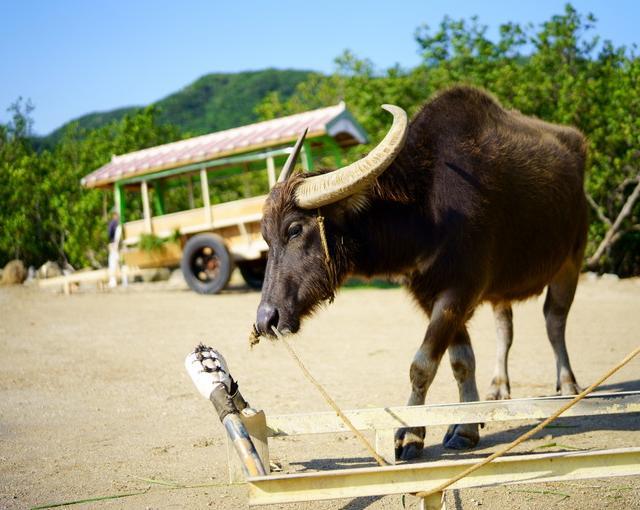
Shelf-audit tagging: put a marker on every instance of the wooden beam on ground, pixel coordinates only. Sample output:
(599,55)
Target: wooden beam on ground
(412,478)
(95,276)
(447,414)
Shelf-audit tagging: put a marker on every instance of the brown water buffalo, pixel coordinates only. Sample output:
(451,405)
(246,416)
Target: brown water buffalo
(468,203)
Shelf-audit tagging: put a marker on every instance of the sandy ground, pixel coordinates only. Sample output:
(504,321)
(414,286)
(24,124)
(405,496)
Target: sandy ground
(94,399)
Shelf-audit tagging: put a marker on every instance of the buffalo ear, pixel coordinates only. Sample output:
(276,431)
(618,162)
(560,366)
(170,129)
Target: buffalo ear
(350,206)
(357,202)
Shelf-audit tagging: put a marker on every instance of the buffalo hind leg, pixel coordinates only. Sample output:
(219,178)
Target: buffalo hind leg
(446,318)
(556,308)
(500,388)
(463,364)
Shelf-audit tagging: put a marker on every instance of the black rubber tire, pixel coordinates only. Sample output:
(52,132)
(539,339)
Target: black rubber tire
(253,272)
(206,263)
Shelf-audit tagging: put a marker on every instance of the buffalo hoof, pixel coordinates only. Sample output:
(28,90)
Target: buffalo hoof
(499,390)
(461,437)
(568,388)
(409,443)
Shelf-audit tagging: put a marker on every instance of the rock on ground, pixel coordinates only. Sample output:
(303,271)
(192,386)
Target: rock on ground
(49,269)
(14,273)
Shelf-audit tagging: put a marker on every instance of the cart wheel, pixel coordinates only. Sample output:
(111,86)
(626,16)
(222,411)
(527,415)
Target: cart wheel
(206,263)
(253,272)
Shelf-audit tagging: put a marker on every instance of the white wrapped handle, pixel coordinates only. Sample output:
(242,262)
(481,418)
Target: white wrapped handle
(208,369)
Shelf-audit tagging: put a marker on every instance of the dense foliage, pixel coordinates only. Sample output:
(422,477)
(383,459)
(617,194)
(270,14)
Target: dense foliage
(211,103)
(45,214)
(558,71)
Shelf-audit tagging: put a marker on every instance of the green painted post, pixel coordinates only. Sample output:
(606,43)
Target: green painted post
(119,200)
(158,198)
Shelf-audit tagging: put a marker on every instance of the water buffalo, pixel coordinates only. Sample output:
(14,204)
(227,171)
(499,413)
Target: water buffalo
(468,203)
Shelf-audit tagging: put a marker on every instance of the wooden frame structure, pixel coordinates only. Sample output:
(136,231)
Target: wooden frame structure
(412,478)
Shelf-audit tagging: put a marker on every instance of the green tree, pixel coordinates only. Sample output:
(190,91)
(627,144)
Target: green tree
(24,209)
(46,214)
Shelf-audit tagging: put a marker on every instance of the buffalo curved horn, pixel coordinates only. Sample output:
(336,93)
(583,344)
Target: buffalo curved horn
(328,188)
(293,157)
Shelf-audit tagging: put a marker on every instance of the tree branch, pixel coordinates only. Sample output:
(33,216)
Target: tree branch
(619,235)
(607,241)
(627,181)
(598,210)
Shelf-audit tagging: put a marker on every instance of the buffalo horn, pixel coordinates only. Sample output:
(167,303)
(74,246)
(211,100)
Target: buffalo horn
(328,188)
(291,160)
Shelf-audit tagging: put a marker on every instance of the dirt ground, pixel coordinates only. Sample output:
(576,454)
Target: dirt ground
(95,401)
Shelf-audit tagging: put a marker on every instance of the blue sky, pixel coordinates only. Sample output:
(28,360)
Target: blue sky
(71,57)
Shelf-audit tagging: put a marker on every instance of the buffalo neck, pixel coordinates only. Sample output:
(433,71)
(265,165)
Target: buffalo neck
(388,238)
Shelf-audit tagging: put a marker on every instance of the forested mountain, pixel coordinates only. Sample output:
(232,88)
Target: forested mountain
(211,103)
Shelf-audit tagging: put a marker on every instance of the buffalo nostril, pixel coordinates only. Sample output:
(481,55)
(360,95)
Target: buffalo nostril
(267,316)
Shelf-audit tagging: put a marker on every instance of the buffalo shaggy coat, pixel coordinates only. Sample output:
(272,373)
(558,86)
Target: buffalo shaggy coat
(468,203)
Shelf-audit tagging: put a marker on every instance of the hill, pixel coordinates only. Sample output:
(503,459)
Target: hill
(211,103)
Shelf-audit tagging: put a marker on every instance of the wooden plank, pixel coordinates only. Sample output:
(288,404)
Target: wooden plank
(98,275)
(231,213)
(412,478)
(81,276)
(447,414)
(166,255)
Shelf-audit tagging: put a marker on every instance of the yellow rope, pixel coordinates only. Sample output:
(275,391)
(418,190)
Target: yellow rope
(333,274)
(531,432)
(328,398)
(323,238)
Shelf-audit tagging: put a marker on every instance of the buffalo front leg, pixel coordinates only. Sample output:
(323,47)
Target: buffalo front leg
(500,387)
(446,317)
(463,365)
(556,308)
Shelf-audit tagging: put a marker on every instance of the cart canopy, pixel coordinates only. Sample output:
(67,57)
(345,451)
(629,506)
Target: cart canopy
(333,122)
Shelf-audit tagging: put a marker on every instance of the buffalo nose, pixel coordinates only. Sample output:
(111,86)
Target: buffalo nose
(267,317)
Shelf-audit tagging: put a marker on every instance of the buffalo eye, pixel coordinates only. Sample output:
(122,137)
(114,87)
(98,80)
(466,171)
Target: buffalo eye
(294,230)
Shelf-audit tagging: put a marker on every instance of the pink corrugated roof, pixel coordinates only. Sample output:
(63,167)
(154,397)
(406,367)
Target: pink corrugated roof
(213,146)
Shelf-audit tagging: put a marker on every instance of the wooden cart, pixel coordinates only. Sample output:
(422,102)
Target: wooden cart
(212,235)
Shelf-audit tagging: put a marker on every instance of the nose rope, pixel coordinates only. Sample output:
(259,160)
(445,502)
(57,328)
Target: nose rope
(328,261)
